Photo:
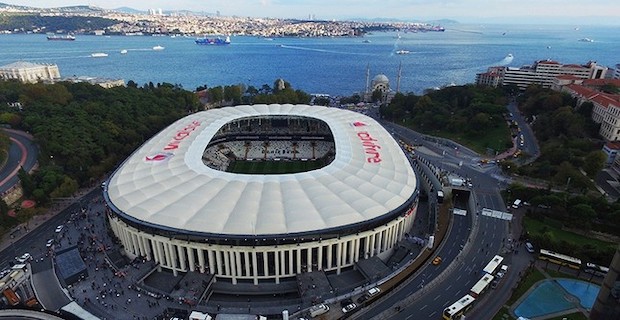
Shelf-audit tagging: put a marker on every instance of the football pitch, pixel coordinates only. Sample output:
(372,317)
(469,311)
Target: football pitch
(273,167)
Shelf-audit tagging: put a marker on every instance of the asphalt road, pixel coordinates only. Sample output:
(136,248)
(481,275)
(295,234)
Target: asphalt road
(22,153)
(442,289)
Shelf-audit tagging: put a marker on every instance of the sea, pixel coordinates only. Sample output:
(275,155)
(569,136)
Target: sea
(335,66)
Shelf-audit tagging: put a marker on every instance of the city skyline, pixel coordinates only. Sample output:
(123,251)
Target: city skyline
(509,11)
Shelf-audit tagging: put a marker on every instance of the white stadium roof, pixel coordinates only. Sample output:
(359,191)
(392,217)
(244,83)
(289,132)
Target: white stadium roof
(175,189)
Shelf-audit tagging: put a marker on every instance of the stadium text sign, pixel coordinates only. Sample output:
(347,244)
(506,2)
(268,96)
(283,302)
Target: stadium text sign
(181,134)
(370,147)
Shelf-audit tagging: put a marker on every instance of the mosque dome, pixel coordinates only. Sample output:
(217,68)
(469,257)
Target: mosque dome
(380,78)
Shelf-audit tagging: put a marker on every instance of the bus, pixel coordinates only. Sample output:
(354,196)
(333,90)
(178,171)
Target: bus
(481,285)
(456,310)
(595,269)
(560,259)
(493,264)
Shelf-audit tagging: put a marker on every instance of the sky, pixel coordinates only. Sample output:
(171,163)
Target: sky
(580,12)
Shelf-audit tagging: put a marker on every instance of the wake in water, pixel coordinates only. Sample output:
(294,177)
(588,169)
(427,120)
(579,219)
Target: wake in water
(507,60)
(321,50)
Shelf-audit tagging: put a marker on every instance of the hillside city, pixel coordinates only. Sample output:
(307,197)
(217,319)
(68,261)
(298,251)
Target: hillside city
(157,22)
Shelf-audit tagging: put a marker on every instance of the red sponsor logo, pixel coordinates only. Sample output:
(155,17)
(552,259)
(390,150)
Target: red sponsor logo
(182,134)
(371,148)
(358,124)
(159,157)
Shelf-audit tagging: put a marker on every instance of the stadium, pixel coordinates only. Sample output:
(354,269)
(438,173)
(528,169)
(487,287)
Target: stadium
(261,193)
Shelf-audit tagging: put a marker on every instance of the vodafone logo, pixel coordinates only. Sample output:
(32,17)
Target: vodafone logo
(159,157)
(371,146)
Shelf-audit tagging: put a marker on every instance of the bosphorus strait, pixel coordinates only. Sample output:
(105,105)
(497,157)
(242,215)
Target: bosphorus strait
(334,66)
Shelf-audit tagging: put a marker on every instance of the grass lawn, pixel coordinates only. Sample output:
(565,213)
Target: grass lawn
(526,283)
(537,227)
(554,273)
(494,138)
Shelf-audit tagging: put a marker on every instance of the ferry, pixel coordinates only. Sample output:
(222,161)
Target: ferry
(158,48)
(124,51)
(586,40)
(213,41)
(98,55)
(403,52)
(67,37)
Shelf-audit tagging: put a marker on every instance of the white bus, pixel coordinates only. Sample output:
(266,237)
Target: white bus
(492,266)
(481,285)
(456,310)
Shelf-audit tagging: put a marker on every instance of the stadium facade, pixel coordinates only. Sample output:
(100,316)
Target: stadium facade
(174,200)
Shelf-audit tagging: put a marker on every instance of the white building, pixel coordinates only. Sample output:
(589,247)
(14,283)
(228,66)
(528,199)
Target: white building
(29,72)
(542,73)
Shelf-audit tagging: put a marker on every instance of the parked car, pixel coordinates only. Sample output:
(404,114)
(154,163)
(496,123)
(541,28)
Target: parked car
(349,307)
(50,243)
(59,228)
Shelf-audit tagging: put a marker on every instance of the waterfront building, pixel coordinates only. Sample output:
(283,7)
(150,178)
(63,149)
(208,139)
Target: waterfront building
(29,72)
(542,73)
(606,106)
(174,200)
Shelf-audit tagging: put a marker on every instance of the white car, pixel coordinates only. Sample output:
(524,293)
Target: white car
(349,307)
(50,243)
(24,258)
(59,228)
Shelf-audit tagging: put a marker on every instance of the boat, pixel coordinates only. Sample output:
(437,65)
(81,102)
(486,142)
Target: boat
(586,40)
(98,55)
(213,41)
(366,41)
(66,37)
(158,48)
(403,52)
(123,51)
(509,56)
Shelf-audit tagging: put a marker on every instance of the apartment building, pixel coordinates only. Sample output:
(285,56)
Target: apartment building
(542,73)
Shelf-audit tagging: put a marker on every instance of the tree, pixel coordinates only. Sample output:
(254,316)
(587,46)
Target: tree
(594,162)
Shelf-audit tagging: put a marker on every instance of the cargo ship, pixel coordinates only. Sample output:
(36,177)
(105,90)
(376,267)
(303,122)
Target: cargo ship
(213,41)
(67,37)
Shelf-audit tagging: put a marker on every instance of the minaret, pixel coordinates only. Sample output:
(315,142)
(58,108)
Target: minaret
(400,68)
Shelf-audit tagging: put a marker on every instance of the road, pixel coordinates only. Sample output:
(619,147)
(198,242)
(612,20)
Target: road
(22,153)
(440,289)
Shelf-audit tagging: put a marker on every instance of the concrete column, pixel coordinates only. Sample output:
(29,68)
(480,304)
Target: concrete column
(218,262)
(351,246)
(309,259)
(141,244)
(201,260)
(276,257)
(232,257)
(282,254)
(356,250)
(291,257)
(329,256)
(190,259)
(265,263)
(298,256)
(319,263)
(338,257)
(247,263)
(254,267)
(212,262)
(371,245)
(181,253)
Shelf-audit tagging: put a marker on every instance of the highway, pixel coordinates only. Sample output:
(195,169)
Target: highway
(22,153)
(440,286)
